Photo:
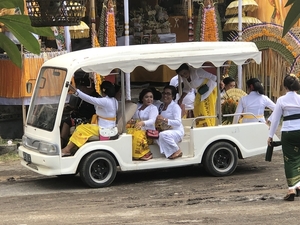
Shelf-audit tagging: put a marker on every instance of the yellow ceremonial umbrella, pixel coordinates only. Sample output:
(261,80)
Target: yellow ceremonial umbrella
(232,23)
(247,6)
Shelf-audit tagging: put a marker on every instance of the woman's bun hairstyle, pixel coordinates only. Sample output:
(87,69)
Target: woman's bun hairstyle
(156,93)
(291,82)
(257,86)
(108,88)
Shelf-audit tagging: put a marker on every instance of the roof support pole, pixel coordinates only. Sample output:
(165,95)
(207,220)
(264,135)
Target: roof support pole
(126,20)
(240,72)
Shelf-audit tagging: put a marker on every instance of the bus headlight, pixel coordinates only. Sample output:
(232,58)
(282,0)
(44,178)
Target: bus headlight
(40,146)
(48,148)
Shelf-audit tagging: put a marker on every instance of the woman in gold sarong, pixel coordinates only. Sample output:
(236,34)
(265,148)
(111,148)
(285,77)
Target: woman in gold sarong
(143,119)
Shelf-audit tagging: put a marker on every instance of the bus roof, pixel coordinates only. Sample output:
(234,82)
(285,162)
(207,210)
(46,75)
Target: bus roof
(104,59)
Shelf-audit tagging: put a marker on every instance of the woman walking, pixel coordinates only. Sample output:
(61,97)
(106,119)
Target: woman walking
(288,106)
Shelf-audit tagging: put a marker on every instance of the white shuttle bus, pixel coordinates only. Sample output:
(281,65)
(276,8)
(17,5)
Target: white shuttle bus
(217,148)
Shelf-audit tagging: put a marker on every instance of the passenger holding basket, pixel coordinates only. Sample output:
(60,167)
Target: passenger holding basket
(170,116)
(106,109)
(143,119)
(204,81)
(255,102)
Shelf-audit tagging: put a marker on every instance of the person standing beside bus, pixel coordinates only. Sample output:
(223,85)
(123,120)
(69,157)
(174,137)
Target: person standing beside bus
(204,81)
(288,106)
(255,102)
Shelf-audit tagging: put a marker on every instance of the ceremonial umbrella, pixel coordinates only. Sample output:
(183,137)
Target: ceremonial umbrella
(232,23)
(247,6)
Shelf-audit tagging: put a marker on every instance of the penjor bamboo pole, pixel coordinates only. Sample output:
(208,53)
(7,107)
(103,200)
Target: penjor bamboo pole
(190,21)
(93,22)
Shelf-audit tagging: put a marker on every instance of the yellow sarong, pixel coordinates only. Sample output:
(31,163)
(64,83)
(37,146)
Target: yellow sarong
(206,107)
(140,146)
(83,132)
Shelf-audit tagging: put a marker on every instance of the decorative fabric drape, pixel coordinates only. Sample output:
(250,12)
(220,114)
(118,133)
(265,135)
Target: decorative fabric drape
(13,79)
(271,11)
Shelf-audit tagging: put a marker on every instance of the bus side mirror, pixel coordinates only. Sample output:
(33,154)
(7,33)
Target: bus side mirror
(28,87)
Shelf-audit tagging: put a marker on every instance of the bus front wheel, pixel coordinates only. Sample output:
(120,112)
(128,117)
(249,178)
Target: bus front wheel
(98,169)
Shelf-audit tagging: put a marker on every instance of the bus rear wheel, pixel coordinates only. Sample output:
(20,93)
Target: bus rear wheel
(220,159)
(98,169)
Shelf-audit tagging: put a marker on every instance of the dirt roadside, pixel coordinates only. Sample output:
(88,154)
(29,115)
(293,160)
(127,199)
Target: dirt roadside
(187,195)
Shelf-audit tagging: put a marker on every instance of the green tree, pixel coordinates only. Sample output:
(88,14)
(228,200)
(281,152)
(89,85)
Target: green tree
(20,27)
(293,15)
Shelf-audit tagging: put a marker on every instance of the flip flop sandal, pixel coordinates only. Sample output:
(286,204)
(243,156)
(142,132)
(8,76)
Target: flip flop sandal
(66,154)
(175,156)
(147,157)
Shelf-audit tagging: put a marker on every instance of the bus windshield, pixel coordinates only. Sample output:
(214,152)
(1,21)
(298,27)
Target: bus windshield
(46,97)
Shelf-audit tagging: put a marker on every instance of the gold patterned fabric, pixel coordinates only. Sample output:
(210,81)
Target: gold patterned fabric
(83,132)
(291,154)
(140,142)
(140,146)
(206,107)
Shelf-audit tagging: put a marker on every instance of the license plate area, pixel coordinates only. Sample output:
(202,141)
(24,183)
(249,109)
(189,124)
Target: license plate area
(27,157)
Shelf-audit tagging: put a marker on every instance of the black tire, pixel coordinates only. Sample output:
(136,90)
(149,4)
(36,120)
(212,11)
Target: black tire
(220,159)
(98,169)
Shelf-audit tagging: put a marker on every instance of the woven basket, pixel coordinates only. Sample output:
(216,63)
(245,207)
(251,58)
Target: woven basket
(46,13)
